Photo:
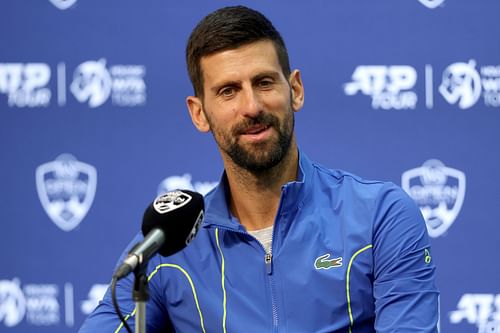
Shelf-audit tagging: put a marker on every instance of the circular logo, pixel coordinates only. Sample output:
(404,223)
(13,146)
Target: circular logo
(171,201)
(12,303)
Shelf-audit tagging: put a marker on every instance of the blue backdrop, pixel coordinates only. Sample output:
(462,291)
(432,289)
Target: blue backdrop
(93,125)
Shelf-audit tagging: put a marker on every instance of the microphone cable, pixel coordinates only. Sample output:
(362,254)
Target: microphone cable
(114,280)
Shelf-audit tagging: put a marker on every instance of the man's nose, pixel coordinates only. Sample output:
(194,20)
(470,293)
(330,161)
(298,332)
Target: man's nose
(251,105)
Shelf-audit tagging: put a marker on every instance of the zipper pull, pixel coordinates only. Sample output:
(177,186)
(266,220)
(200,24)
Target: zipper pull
(269,263)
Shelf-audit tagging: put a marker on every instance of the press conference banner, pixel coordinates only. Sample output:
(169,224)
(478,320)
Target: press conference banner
(93,125)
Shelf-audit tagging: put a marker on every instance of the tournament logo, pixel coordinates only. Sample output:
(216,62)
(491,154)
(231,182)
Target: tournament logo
(390,87)
(66,188)
(42,304)
(95,83)
(91,83)
(170,201)
(129,87)
(482,310)
(26,85)
(185,182)
(461,84)
(63,4)
(490,79)
(431,3)
(12,303)
(439,191)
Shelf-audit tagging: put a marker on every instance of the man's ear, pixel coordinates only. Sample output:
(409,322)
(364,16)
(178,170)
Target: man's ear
(195,107)
(297,90)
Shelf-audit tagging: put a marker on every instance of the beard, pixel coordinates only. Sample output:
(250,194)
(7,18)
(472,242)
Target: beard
(257,157)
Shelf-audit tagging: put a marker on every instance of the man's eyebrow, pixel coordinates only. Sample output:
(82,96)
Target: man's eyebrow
(215,89)
(271,74)
(268,74)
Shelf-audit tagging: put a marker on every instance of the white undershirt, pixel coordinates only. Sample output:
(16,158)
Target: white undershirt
(264,236)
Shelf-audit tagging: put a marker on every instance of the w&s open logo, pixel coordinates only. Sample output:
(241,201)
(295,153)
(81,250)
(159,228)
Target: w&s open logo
(66,188)
(439,191)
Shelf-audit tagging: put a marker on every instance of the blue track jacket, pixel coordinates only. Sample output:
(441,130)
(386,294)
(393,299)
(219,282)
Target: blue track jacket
(348,255)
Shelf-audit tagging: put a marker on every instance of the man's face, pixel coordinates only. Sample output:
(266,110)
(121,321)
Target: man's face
(248,106)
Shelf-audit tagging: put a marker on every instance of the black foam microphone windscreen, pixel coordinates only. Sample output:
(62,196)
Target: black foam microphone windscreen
(169,224)
(178,214)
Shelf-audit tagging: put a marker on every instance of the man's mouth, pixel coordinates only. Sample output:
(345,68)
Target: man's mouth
(255,129)
(256,133)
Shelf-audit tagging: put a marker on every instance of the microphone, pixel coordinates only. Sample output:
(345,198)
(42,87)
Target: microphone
(169,224)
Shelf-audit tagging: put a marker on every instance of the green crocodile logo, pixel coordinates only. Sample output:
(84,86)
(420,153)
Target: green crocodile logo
(322,262)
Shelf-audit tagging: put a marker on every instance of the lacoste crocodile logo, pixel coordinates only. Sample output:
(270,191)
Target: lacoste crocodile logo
(322,262)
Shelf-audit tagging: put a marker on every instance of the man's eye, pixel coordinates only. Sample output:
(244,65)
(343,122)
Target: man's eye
(265,83)
(229,91)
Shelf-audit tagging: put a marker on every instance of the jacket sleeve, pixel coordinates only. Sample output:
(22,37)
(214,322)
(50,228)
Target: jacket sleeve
(406,297)
(104,318)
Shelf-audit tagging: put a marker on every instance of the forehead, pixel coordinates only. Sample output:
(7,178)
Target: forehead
(248,59)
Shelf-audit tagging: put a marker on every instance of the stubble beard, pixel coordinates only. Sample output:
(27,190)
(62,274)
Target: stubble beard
(262,157)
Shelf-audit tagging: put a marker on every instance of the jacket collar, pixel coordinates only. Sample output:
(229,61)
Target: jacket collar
(293,194)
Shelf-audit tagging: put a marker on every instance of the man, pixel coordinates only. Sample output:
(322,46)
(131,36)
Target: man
(286,245)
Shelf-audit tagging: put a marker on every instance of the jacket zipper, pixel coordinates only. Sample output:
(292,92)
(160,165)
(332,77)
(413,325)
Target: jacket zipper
(269,265)
(269,270)
(268,260)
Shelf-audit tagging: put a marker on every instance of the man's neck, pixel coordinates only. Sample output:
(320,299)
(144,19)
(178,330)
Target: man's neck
(254,197)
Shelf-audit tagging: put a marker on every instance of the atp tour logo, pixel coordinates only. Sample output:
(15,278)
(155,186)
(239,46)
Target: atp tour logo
(431,3)
(94,83)
(482,310)
(393,87)
(12,303)
(184,181)
(170,201)
(461,84)
(66,188)
(95,295)
(390,87)
(439,191)
(63,4)
(26,85)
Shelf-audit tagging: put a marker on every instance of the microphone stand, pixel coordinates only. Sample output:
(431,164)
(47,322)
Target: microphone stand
(140,296)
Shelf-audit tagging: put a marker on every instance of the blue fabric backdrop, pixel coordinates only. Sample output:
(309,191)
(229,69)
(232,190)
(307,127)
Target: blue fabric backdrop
(93,125)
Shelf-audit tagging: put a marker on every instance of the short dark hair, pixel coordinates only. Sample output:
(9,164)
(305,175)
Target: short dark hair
(229,28)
